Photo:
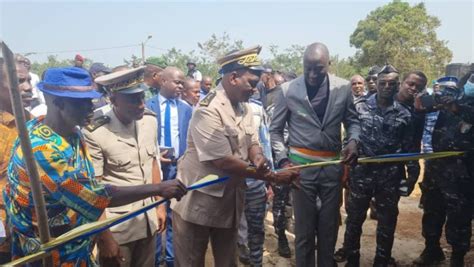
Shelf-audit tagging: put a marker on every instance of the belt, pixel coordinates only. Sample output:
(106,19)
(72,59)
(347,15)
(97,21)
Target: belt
(304,155)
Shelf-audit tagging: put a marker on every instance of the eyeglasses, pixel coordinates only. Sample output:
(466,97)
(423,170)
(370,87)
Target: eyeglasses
(371,78)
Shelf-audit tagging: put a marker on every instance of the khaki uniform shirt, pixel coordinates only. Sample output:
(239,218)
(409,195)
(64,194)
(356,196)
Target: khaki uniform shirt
(216,130)
(123,155)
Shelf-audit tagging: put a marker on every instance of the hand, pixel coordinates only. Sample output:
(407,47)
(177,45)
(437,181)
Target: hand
(349,153)
(261,165)
(164,160)
(270,193)
(284,177)
(109,250)
(286,164)
(161,214)
(417,103)
(172,189)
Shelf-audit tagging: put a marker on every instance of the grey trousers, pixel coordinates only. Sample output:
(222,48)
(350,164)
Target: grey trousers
(139,253)
(316,208)
(190,244)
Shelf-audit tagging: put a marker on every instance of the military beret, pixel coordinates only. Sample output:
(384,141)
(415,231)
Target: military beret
(125,81)
(388,69)
(374,70)
(247,58)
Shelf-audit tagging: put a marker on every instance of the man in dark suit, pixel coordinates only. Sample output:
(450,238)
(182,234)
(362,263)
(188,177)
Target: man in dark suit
(173,117)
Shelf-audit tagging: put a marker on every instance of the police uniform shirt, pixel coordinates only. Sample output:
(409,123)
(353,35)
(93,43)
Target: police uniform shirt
(123,155)
(216,130)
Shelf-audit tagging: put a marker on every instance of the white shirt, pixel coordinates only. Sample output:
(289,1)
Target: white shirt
(197,75)
(174,123)
(36,92)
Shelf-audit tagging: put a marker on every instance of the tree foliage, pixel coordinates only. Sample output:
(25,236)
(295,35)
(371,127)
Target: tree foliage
(52,61)
(403,36)
(289,59)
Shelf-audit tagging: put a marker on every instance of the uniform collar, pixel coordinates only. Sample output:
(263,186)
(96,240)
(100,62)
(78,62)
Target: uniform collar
(222,98)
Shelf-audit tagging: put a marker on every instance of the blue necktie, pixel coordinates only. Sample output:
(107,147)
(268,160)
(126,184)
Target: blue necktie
(168,124)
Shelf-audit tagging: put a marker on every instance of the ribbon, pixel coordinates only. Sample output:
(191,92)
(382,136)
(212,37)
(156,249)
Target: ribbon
(387,158)
(89,229)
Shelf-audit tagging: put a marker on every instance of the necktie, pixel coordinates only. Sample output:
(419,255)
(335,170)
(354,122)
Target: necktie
(168,124)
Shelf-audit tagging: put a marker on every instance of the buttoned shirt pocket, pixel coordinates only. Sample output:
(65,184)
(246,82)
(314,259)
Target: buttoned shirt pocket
(233,136)
(250,135)
(119,162)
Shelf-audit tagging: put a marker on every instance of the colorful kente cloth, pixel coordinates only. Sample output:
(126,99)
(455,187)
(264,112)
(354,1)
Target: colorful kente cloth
(72,195)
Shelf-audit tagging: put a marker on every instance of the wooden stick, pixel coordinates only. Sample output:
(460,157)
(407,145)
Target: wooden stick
(20,121)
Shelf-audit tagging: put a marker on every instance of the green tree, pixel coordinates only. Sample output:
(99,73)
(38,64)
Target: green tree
(52,61)
(289,59)
(344,68)
(403,36)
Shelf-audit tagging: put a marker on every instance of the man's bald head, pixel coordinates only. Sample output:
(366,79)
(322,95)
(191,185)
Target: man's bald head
(357,85)
(206,83)
(172,80)
(316,64)
(191,89)
(152,75)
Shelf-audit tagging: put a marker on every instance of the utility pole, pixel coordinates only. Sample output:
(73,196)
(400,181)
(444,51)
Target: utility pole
(143,47)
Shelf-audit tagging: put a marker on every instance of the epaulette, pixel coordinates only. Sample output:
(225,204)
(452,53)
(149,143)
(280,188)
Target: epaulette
(149,112)
(207,99)
(98,122)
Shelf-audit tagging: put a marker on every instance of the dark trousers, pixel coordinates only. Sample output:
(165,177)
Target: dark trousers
(281,196)
(169,254)
(446,202)
(367,182)
(316,208)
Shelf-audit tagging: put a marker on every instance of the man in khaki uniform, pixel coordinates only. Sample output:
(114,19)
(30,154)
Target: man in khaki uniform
(124,151)
(222,140)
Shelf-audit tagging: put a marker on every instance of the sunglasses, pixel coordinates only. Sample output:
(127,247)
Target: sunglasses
(371,78)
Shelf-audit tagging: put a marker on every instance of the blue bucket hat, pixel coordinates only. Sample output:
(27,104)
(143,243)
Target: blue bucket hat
(70,82)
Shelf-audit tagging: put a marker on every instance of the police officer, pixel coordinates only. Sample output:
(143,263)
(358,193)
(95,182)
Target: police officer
(386,127)
(222,140)
(447,184)
(123,147)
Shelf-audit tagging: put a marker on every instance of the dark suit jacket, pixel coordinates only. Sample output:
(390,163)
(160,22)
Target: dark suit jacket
(184,116)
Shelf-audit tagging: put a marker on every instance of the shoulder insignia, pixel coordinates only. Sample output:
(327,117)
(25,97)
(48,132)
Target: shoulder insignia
(149,112)
(207,99)
(97,122)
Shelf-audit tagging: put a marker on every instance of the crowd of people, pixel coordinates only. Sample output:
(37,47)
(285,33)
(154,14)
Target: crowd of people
(109,141)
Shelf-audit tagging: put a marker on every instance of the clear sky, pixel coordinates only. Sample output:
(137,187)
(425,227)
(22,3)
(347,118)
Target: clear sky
(75,26)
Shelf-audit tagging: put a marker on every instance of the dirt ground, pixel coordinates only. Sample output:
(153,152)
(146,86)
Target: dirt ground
(408,240)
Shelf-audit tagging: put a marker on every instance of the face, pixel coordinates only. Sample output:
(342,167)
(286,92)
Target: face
(357,86)
(278,79)
(387,85)
(191,93)
(129,106)
(436,87)
(371,83)
(412,85)
(24,86)
(172,85)
(191,66)
(244,85)
(206,84)
(315,69)
(76,111)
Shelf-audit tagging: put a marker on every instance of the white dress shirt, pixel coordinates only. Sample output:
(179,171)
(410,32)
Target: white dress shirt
(174,123)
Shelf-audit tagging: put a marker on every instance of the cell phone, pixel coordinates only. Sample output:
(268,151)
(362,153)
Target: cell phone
(428,101)
(169,151)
